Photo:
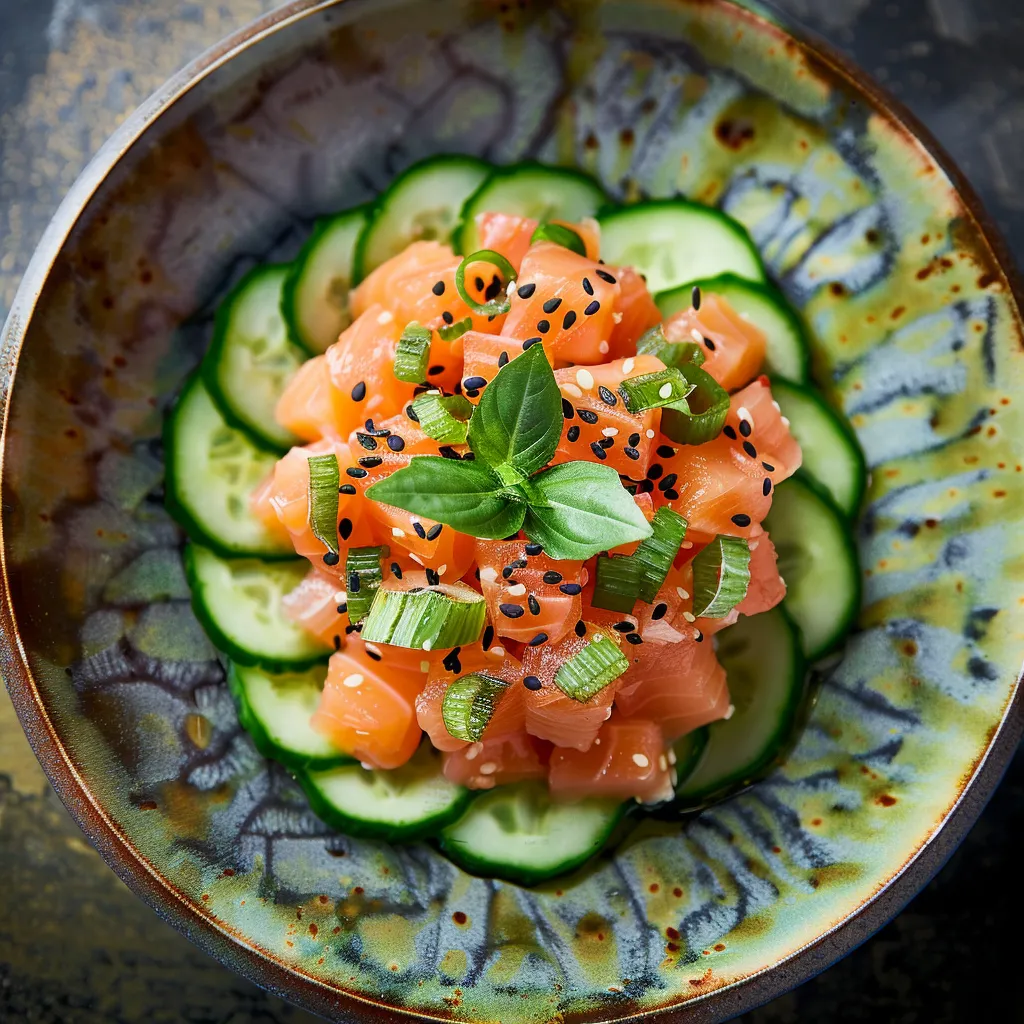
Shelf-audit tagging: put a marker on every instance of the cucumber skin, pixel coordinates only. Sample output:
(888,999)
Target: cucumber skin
(485,868)
(208,367)
(182,516)
(291,282)
(348,825)
(265,745)
(229,647)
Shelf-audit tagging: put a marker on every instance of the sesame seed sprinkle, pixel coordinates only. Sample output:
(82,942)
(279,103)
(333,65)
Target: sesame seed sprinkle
(517,589)
(569,388)
(641,761)
(604,348)
(665,390)
(610,431)
(585,379)
(697,336)
(628,364)
(650,435)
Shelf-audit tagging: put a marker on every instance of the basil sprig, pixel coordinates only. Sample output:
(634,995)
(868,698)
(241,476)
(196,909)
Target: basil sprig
(574,510)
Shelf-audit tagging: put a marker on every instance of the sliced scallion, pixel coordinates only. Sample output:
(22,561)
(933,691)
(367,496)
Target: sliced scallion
(591,669)
(364,576)
(700,417)
(469,703)
(434,618)
(721,575)
(445,418)
(560,235)
(657,552)
(412,357)
(452,332)
(324,478)
(617,583)
(501,303)
(655,390)
(671,353)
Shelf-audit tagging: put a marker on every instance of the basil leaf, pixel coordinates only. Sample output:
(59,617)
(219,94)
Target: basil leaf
(518,422)
(580,509)
(466,496)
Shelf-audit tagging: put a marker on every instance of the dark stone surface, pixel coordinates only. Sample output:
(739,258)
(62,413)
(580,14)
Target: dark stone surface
(75,945)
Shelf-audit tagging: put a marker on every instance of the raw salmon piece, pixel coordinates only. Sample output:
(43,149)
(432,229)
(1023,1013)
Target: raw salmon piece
(262,507)
(311,407)
(317,605)
(637,310)
(498,761)
(767,588)
(756,421)
(510,235)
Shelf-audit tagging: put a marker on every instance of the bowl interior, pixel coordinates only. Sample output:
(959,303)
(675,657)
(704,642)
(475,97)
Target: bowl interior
(918,339)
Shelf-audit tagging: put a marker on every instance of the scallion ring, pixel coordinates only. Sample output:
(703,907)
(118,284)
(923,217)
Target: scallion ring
(560,235)
(498,305)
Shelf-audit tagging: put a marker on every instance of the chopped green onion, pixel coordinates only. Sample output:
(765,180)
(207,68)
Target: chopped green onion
(671,353)
(656,554)
(721,575)
(560,235)
(590,670)
(432,619)
(617,583)
(654,390)
(700,417)
(452,332)
(364,576)
(324,478)
(499,304)
(412,357)
(445,418)
(469,703)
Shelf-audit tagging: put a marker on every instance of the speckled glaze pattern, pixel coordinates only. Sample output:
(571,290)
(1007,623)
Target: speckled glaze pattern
(918,339)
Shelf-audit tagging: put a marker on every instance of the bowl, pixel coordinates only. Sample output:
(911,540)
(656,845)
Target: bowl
(874,238)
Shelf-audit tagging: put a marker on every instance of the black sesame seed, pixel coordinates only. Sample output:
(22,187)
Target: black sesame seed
(655,471)
(587,286)
(567,409)
(367,442)
(434,532)
(488,638)
(420,531)
(354,583)
(587,416)
(371,461)
(502,360)
(624,627)
(343,609)
(411,413)
(551,577)
(571,589)
(607,442)
(534,549)
(569,319)
(634,440)
(433,578)
(768,467)
(632,453)
(766,488)
(356,473)
(540,638)
(592,308)
(750,449)
(438,288)
(741,520)
(543,326)
(695,297)
(533,604)
(448,318)
(451,661)
(552,304)
(668,483)
(351,628)
(529,343)
(396,570)
(493,289)
(332,558)
(659,611)
(448,452)
(532,683)
(598,451)
(699,636)
(672,495)
(474,383)
(645,487)
(435,370)
(608,397)
(581,628)
(663,451)
(729,433)
(506,573)
(745,428)
(710,344)
(472,392)
(374,655)
(479,282)
(512,611)
(634,638)
(417,590)
(526,291)
(395,443)
(346,489)
(359,392)
(337,640)
(605,276)
(573,433)
(345,528)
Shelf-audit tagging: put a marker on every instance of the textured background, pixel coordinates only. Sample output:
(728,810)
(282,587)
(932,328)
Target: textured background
(75,946)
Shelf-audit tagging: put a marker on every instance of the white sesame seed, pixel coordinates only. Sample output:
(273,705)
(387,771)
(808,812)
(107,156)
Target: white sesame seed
(511,288)
(607,714)
(665,390)
(488,768)
(617,317)
(353,680)
(570,389)
(604,348)
(490,574)
(385,318)
(697,336)
(374,649)
(427,644)
(641,761)
(585,379)
(610,431)
(671,756)
(663,763)
(498,652)
(686,545)
(416,558)
(442,569)
(628,364)
(650,435)
(744,414)
(397,531)
(597,742)
(674,776)
(684,594)
(340,597)
(782,581)
(517,589)
(424,666)
(689,616)
(697,634)
(785,422)
(730,712)
(473,751)
(366,764)
(434,391)
(778,408)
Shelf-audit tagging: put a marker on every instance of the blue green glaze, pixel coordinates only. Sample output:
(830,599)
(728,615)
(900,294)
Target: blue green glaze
(918,340)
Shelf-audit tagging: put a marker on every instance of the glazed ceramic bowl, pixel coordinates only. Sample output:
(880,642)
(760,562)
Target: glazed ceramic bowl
(918,338)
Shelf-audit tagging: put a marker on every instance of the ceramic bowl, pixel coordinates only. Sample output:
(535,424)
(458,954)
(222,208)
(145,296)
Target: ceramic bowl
(918,339)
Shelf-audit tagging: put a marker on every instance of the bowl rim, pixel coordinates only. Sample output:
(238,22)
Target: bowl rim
(244,955)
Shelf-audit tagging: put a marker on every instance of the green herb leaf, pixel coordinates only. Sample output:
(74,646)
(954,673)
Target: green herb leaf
(579,509)
(466,496)
(518,422)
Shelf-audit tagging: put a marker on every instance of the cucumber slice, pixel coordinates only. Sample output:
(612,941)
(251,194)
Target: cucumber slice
(530,190)
(687,751)
(314,301)
(251,358)
(671,241)
(405,803)
(275,710)
(520,834)
(765,668)
(832,455)
(434,619)
(789,351)
(238,601)
(423,203)
(211,470)
(818,561)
